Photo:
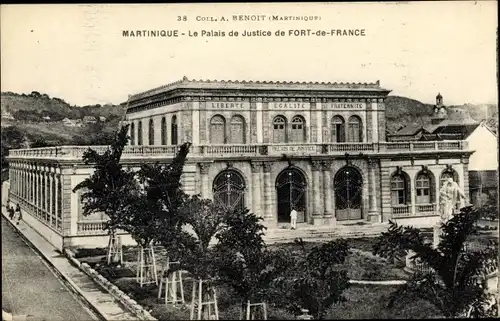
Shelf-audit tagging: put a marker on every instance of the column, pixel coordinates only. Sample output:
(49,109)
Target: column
(268,192)
(205,185)
(23,183)
(317,204)
(256,194)
(56,208)
(39,192)
(50,201)
(32,184)
(373,214)
(45,194)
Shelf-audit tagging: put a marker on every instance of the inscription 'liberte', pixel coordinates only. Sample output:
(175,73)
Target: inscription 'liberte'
(227,105)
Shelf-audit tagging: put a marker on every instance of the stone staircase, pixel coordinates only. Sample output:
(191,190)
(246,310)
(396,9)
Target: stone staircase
(318,233)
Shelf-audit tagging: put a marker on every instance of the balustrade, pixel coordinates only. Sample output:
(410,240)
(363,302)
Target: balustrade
(247,149)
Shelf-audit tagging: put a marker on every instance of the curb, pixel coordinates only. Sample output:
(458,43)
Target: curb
(67,280)
(131,305)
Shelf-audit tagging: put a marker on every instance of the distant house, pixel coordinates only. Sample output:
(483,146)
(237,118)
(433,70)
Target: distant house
(46,117)
(7,115)
(68,122)
(102,118)
(89,120)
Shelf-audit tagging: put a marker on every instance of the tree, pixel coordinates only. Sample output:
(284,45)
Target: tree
(133,201)
(108,189)
(316,280)
(245,263)
(456,280)
(12,137)
(205,219)
(202,220)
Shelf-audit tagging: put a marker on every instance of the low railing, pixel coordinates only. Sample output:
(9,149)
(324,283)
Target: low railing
(425,209)
(400,211)
(250,149)
(90,227)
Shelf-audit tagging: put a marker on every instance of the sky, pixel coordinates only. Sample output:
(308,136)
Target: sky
(416,49)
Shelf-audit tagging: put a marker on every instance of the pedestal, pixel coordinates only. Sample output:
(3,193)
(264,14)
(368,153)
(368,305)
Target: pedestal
(436,233)
(374,217)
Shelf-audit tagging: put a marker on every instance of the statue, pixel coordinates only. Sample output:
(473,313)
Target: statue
(451,198)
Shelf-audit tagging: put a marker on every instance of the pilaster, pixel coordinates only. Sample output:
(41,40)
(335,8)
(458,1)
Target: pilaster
(66,204)
(256,190)
(373,214)
(269,216)
(205,186)
(327,193)
(317,204)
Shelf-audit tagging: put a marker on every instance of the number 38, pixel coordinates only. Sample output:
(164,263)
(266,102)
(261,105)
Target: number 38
(181,18)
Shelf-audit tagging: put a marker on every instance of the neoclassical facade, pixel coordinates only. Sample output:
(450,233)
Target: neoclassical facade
(268,146)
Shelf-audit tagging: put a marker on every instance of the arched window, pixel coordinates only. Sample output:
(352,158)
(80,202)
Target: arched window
(423,188)
(139,133)
(132,134)
(173,136)
(151,132)
(338,129)
(400,190)
(448,173)
(298,133)
(237,131)
(217,130)
(279,129)
(355,130)
(163,131)
(229,190)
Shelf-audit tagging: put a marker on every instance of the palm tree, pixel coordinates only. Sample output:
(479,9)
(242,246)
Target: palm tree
(455,281)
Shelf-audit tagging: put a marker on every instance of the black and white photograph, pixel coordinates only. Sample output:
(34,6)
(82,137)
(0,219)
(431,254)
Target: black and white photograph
(250,161)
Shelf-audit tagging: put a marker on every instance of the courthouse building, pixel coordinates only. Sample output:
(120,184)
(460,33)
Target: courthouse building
(268,146)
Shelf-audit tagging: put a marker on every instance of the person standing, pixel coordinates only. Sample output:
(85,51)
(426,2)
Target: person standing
(293,218)
(11,212)
(18,213)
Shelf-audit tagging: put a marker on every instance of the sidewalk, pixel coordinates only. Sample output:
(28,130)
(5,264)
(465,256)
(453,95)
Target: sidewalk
(97,298)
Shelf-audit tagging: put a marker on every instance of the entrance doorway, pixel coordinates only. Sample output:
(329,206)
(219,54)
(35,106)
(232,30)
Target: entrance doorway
(348,187)
(291,192)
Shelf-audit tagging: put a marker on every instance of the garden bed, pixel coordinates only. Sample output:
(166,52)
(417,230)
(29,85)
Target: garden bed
(363,301)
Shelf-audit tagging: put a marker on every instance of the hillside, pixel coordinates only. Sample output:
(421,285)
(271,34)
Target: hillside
(402,111)
(38,117)
(22,105)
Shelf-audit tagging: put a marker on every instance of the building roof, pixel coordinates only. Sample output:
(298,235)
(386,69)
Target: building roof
(433,129)
(484,179)
(409,130)
(250,84)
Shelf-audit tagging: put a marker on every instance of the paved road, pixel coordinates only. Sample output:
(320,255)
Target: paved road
(29,287)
